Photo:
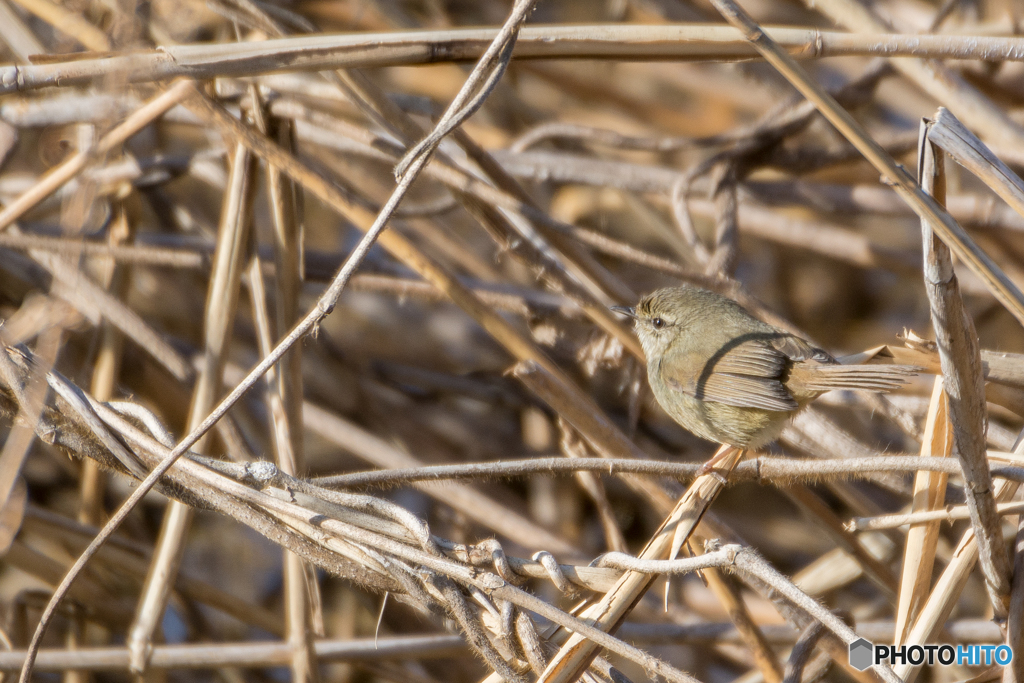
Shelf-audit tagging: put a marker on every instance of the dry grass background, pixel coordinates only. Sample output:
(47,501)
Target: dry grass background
(159,236)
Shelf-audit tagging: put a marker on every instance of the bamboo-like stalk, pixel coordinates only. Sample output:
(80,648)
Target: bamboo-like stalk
(243,654)
(626,42)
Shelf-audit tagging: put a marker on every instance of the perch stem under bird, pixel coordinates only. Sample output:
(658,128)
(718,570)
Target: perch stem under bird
(730,378)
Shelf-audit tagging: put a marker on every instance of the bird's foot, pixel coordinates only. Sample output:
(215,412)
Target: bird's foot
(723,451)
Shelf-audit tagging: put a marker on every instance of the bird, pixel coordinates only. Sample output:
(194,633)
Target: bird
(728,377)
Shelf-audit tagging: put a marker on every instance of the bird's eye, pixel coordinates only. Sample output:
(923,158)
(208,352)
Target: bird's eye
(658,323)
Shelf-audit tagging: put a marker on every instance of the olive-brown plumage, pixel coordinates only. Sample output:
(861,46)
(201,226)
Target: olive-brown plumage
(727,376)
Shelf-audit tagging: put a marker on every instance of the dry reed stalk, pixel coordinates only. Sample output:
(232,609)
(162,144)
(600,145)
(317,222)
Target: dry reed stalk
(243,654)
(229,261)
(69,23)
(463,498)
(304,618)
(964,384)
(729,595)
(170,548)
(947,588)
(827,520)
(31,403)
(512,339)
(929,494)
(1015,619)
(18,37)
(576,653)
(700,42)
(947,514)
(570,270)
(106,368)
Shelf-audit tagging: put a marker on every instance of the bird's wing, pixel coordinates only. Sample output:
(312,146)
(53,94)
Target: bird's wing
(797,349)
(745,374)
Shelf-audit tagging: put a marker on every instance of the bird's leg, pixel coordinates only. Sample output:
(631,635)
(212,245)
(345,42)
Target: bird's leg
(723,451)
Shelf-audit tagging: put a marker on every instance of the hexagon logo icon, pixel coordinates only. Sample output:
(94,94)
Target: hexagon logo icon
(861,654)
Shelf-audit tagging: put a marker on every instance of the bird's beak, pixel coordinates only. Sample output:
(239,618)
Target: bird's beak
(625,310)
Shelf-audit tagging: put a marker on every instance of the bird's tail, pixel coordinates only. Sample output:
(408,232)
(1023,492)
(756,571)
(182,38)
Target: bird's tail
(881,378)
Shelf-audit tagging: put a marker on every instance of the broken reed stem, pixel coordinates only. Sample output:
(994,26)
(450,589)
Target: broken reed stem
(576,653)
(947,133)
(960,359)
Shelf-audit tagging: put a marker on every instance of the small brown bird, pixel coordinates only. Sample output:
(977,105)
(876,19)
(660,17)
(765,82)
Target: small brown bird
(727,376)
